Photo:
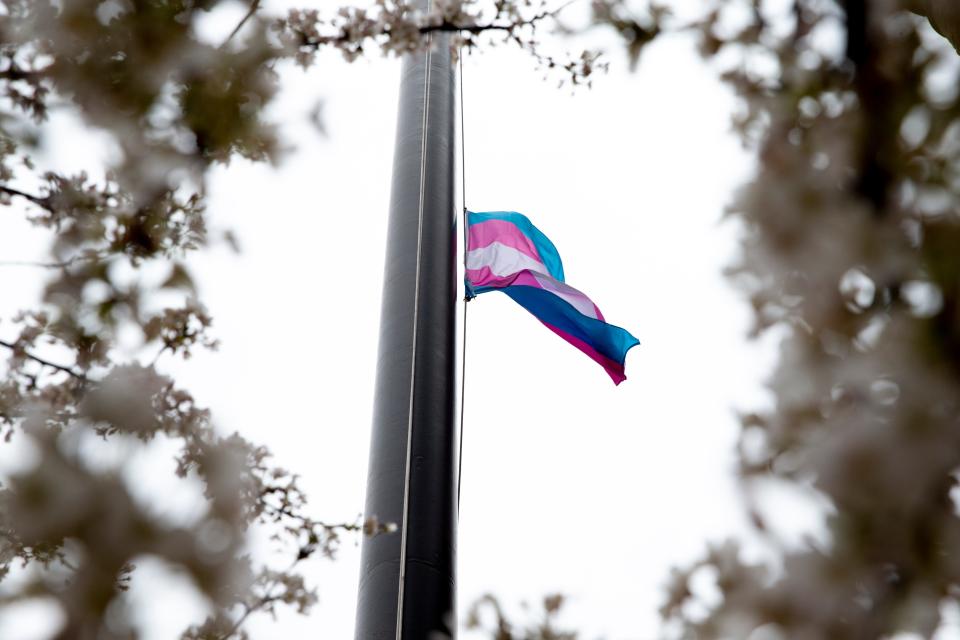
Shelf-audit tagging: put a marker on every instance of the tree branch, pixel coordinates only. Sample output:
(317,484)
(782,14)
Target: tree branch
(446,27)
(37,200)
(254,7)
(247,610)
(15,73)
(267,599)
(480,28)
(53,365)
(878,150)
(62,264)
(944,17)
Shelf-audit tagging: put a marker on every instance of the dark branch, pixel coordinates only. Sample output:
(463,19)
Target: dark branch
(53,365)
(37,200)
(247,610)
(493,26)
(15,73)
(878,149)
(449,27)
(945,20)
(254,7)
(61,264)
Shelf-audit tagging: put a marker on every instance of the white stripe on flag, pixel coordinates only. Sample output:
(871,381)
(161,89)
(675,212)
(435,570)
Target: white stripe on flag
(502,260)
(505,261)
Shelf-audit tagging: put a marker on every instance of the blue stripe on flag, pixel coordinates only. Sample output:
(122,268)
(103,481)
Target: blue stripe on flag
(610,340)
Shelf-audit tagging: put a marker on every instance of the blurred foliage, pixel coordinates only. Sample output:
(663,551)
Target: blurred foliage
(851,230)
(849,251)
(487,615)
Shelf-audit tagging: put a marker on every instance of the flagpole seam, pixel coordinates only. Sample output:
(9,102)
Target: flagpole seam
(466,297)
(413,350)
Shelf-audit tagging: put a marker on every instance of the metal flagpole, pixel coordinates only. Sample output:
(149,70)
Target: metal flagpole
(407,578)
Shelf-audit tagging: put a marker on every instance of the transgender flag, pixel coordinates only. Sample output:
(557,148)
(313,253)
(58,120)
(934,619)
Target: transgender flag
(505,252)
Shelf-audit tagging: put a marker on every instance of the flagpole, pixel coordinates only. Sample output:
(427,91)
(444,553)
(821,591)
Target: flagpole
(407,578)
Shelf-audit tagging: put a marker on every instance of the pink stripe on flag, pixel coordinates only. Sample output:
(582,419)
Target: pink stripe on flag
(506,233)
(484,277)
(613,368)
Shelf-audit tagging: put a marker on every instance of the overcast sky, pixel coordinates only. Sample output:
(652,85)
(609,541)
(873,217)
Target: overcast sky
(570,484)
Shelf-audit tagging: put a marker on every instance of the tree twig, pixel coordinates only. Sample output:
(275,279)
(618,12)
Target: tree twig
(53,365)
(261,603)
(451,27)
(247,610)
(480,28)
(254,6)
(63,264)
(37,200)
